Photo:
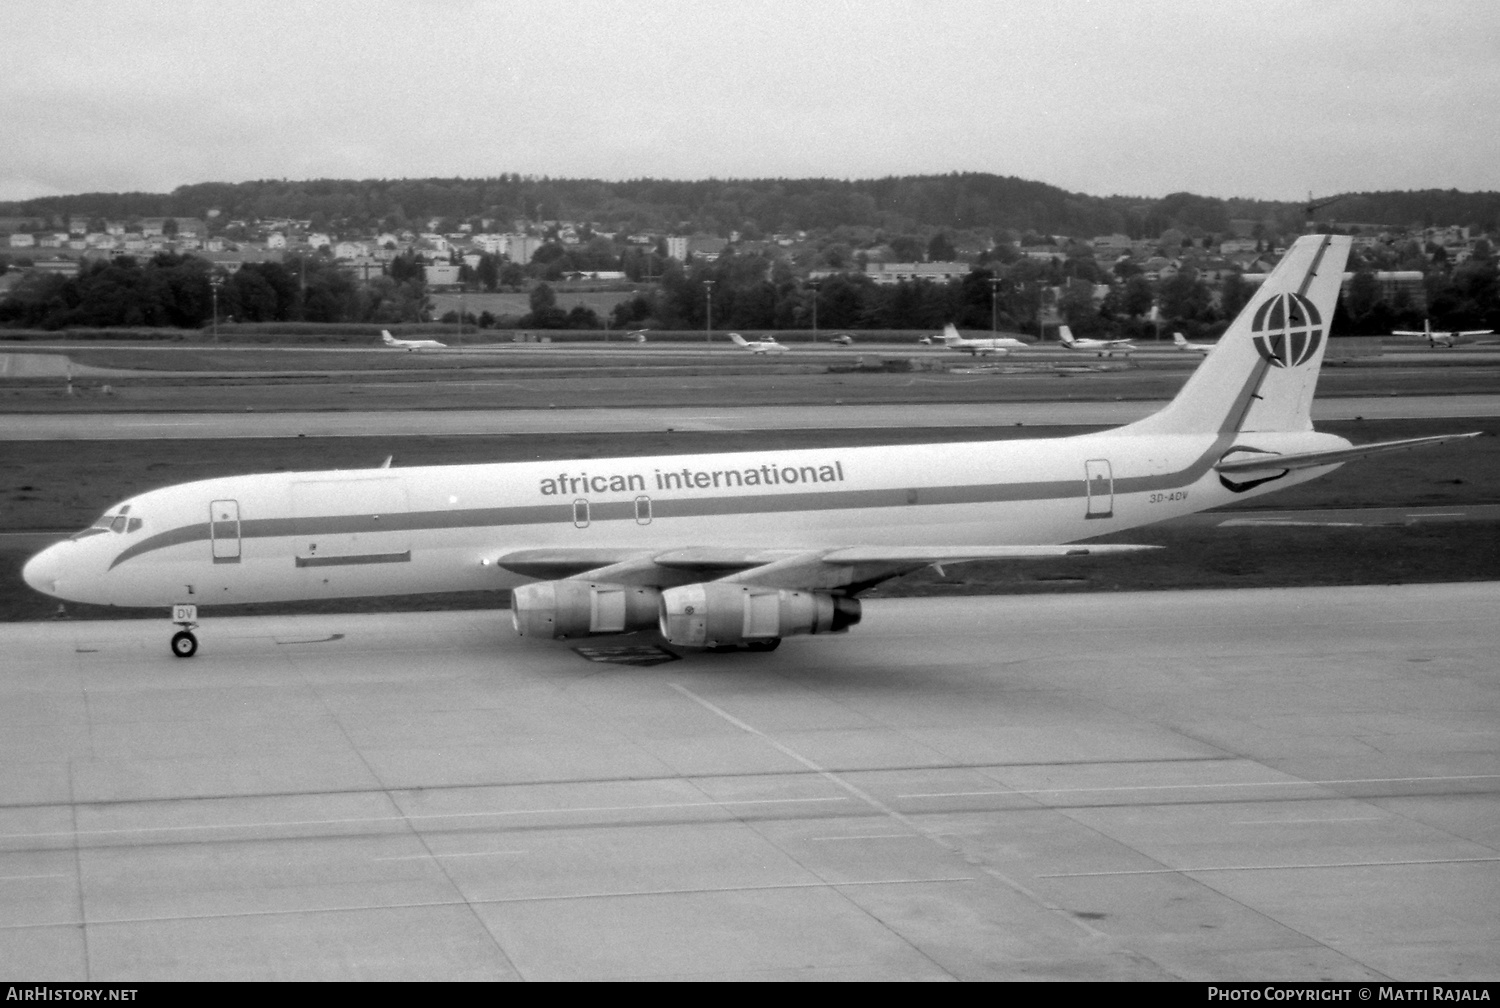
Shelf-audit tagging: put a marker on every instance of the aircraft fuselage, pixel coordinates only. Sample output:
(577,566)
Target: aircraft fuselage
(289,536)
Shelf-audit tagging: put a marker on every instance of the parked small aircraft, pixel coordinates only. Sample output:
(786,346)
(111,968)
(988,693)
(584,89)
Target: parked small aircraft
(760,346)
(411,344)
(1101,347)
(1440,337)
(996,345)
(1180,342)
(637,335)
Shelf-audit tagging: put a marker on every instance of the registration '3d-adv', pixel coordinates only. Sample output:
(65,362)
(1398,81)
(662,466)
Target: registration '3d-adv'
(731,550)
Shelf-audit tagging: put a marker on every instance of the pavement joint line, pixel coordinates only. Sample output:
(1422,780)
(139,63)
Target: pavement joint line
(1169,787)
(605,894)
(423,857)
(418,818)
(1272,867)
(897,817)
(1287,822)
(19,878)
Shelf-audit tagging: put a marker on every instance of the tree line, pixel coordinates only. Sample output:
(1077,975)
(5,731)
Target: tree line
(744,291)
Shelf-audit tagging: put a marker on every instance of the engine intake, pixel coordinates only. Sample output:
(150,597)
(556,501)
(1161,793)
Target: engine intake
(565,608)
(714,613)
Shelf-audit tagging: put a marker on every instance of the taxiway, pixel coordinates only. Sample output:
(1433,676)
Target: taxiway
(1292,784)
(367,423)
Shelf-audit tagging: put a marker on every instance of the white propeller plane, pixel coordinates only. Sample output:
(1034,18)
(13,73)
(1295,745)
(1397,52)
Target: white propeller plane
(1440,337)
(411,344)
(760,346)
(1180,342)
(739,549)
(1101,347)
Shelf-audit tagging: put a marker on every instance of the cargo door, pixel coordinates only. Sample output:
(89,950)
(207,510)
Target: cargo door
(224,530)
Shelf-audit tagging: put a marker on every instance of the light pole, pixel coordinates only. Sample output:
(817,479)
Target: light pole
(814,284)
(994,304)
(213,288)
(460,316)
(708,330)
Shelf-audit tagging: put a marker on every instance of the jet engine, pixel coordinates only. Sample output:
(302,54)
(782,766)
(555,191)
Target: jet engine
(579,608)
(715,613)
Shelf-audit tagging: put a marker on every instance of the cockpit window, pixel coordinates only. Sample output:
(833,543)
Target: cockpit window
(111,522)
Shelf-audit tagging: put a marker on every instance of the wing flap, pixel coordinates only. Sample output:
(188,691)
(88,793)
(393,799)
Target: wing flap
(958,554)
(1335,456)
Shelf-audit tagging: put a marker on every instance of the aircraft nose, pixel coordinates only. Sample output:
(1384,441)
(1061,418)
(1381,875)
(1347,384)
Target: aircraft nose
(42,571)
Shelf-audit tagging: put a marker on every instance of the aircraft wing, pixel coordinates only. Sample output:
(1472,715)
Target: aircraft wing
(788,568)
(1310,460)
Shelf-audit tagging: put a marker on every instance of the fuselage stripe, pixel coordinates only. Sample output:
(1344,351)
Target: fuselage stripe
(691,507)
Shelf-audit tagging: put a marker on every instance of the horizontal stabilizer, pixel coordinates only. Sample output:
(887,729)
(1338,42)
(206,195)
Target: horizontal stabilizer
(1311,460)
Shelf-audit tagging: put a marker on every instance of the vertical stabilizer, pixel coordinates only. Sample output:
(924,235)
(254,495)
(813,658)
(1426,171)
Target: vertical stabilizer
(1262,374)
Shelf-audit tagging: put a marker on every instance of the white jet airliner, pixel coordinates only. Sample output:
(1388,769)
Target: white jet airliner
(760,346)
(1439,337)
(1101,347)
(411,344)
(997,345)
(1180,342)
(737,549)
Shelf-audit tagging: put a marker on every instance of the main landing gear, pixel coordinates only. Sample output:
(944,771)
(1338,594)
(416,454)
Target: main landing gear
(184,644)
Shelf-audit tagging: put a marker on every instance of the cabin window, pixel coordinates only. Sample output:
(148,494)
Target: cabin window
(643,510)
(581,513)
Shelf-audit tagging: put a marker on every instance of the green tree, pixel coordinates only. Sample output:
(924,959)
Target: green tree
(542,297)
(1184,297)
(488,272)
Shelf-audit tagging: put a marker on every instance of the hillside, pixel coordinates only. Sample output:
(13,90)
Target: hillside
(756,207)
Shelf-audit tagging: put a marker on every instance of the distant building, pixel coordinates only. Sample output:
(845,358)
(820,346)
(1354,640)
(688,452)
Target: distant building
(22,240)
(1043,253)
(1391,283)
(520,248)
(60,267)
(706,248)
(1236,246)
(889,274)
(441,275)
(363,269)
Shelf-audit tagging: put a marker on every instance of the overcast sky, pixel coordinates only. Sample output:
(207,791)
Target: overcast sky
(1268,99)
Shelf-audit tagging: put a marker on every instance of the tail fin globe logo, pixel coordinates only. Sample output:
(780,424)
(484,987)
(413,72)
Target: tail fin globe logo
(1288,330)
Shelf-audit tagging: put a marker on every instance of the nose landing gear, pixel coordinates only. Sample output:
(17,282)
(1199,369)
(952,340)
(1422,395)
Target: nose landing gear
(184,644)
